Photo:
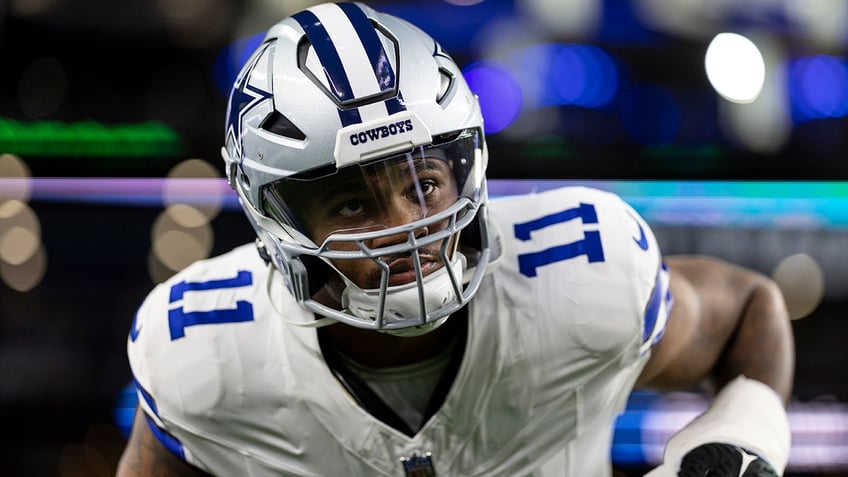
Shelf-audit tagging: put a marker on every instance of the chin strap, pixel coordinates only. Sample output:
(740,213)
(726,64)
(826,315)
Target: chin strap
(318,323)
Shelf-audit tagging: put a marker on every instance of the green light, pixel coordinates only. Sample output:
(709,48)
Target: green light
(88,139)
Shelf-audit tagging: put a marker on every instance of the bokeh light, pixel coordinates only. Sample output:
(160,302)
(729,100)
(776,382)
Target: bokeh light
(801,280)
(23,259)
(156,270)
(763,125)
(556,74)
(498,91)
(566,18)
(182,233)
(27,275)
(176,245)
(188,184)
(178,249)
(20,187)
(821,22)
(42,87)
(168,221)
(196,23)
(735,67)
(187,216)
(18,244)
(818,87)
(30,7)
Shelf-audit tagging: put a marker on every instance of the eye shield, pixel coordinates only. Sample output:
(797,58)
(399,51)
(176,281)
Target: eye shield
(380,194)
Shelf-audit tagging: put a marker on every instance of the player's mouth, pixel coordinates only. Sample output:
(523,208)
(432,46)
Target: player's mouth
(402,269)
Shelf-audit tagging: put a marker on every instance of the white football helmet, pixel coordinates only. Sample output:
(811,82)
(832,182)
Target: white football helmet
(351,138)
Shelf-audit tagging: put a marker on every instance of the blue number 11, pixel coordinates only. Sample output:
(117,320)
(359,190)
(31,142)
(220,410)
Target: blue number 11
(590,245)
(178,318)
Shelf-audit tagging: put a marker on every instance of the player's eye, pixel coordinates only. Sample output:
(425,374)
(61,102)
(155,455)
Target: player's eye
(424,188)
(351,208)
(428,187)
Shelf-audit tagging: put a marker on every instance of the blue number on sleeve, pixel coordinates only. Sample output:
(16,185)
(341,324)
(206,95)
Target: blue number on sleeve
(135,328)
(179,319)
(590,245)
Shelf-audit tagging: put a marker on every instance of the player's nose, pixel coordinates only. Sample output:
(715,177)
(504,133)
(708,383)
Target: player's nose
(397,214)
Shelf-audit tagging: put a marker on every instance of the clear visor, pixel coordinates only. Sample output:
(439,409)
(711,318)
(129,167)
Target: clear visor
(417,188)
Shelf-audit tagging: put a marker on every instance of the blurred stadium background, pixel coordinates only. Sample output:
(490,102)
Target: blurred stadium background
(723,122)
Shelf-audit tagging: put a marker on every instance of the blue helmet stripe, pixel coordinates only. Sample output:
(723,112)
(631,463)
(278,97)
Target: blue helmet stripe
(327,53)
(373,46)
(394,105)
(349,116)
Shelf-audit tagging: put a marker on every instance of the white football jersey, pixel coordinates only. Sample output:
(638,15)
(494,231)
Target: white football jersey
(557,335)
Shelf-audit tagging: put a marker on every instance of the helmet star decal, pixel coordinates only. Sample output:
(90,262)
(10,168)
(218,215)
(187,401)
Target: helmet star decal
(243,98)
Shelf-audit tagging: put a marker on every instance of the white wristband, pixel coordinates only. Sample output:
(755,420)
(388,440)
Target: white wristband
(746,413)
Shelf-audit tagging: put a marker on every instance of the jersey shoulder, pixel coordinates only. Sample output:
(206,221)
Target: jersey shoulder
(575,225)
(583,256)
(181,294)
(185,339)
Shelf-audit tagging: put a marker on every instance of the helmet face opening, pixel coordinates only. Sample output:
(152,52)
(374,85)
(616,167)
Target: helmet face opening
(380,195)
(388,227)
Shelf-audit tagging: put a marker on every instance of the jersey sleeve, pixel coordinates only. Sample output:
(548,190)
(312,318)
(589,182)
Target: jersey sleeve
(145,331)
(659,301)
(181,346)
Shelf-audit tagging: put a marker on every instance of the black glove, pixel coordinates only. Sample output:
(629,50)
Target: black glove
(724,460)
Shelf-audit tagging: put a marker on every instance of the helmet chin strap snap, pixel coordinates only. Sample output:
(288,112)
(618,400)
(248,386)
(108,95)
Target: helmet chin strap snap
(403,302)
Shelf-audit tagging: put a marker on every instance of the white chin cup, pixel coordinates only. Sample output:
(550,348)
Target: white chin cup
(402,300)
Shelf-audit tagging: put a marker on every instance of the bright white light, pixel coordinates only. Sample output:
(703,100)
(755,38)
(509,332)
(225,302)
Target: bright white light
(765,125)
(735,67)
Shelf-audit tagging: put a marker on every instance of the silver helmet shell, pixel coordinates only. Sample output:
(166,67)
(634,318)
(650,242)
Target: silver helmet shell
(336,86)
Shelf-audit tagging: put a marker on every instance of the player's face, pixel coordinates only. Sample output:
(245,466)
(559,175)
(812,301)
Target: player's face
(377,197)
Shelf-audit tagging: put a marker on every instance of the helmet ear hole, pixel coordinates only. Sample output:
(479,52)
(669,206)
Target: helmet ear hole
(282,126)
(445,83)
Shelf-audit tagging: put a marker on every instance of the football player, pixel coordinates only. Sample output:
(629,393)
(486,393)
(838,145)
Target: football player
(390,320)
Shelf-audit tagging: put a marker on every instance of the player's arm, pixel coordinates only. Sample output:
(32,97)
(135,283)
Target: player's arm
(145,456)
(726,322)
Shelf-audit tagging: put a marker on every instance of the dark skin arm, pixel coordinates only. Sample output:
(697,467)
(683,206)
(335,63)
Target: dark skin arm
(726,321)
(145,456)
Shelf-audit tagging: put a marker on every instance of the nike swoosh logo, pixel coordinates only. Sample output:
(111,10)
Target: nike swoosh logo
(642,241)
